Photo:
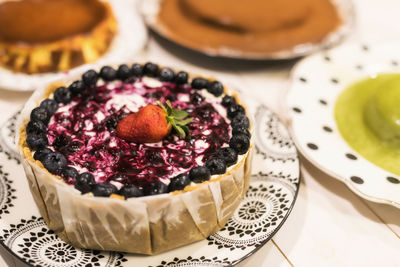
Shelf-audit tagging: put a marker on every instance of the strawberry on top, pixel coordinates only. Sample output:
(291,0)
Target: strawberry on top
(152,123)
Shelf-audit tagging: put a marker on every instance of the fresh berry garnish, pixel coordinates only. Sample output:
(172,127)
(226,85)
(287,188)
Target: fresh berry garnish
(90,77)
(228,101)
(36,141)
(199,83)
(196,98)
(155,188)
(181,77)
(35,127)
(179,182)
(77,87)
(240,143)
(104,189)
(137,70)
(84,182)
(40,114)
(229,155)
(150,69)
(234,110)
(69,172)
(62,95)
(166,75)
(240,120)
(41,153)
(241,130)
(54,162)
(130,191)
(216,166)
(216,88)
(108,73)
(123,72)
(50,105)
(153,123)
(199,174)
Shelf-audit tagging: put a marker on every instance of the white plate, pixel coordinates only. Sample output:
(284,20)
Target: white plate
(315,85)
(150,9)
(268,202)
(130,39)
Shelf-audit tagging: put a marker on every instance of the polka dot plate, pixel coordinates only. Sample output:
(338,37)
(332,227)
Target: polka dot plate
(316,82)
(268,202)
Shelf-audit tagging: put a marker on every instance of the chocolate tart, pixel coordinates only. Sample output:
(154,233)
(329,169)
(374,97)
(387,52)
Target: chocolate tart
(40,36)
(98,191)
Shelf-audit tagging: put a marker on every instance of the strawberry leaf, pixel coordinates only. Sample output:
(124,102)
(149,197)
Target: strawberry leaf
(184,122)
(179,114)
(176,118)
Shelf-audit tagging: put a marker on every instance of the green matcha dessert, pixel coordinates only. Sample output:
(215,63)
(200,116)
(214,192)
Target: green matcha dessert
(368,117)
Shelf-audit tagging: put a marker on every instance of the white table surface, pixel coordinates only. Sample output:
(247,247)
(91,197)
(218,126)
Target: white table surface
(329,225)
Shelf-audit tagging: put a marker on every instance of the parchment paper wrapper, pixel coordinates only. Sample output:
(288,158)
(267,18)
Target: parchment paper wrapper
(145,225)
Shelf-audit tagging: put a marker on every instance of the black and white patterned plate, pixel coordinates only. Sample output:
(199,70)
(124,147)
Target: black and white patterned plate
(268,202)
(316,83)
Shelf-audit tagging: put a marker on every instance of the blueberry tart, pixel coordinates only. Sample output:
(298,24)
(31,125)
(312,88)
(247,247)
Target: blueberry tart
(136,158)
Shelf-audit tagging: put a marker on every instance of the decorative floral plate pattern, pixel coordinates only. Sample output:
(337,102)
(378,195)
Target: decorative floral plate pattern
(268,202)
(316,83)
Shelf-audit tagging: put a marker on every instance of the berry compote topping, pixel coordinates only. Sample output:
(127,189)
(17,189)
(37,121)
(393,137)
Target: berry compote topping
(84,131)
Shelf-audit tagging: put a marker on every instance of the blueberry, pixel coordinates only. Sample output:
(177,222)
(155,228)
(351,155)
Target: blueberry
(166,75)
(77,87)
(123,72)
(241,130)
(179,182)
(240,143)
(228,101)
(84,182)
(181,77)
(137,70)
(40,114)
(50,105)
(41,153)
(172,97)
(36,141)
(69,172)
(107,73)
(196,98)
(199,83)
(199,174)
(240,120)
(155,188)
(216,166)
(54,162)
(61,141)
(90,78)
(229,155)
(111,123)
(130,191)
(234,110)
(62,95)
(35,127)
(104,189)
(150,69)
(216,88)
